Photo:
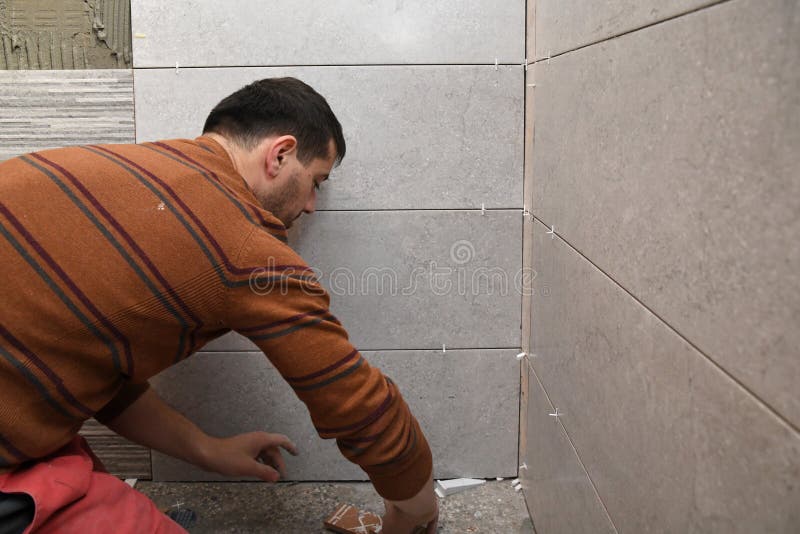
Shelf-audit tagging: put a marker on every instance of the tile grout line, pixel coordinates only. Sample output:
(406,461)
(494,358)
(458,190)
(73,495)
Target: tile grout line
(633,30)
(522,383)
(527,231)
(574,449)
(437,350)
(335,65)
(674,330)
(472,210)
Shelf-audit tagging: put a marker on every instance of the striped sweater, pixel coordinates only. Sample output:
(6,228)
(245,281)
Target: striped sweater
(121,260)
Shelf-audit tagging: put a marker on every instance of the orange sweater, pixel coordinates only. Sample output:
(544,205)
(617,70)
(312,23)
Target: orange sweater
(121,260)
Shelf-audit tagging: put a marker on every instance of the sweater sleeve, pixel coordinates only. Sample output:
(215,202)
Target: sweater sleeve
(127,395)
(274,299)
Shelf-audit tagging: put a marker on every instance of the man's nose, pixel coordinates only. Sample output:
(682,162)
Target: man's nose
(310,206)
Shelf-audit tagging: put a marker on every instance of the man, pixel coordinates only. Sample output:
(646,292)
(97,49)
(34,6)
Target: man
(122,260)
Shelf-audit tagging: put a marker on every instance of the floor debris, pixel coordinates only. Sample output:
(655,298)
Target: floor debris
(448,487)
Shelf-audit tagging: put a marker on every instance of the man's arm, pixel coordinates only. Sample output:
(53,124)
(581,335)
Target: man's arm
(151,422)
(277,302)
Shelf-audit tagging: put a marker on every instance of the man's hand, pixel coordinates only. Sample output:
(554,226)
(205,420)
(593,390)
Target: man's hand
(149,421)
(255,454)
(419,514)
(395,521)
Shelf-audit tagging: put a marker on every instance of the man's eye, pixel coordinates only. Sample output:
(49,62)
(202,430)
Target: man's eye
(316,186)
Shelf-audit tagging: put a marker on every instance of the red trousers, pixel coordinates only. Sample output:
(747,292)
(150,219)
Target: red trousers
(73,495)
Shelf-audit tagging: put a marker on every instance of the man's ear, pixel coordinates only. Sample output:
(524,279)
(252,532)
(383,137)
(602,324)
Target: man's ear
(277,152)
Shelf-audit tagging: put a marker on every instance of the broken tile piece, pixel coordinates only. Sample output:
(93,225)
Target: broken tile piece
(456,485)
(347,519)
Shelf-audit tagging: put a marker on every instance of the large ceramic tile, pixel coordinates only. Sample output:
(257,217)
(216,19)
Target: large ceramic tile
(466,402)
(669,157)
(418,137)
(415,279)
(671,443)
(558,492)
(49,109)
(304,32)
(563,25)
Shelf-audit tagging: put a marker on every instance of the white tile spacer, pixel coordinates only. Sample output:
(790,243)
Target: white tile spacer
(556,414)
(483,208)
(552,232)
(177,67)
(139,36)
(444,348)
(525,64)
(521,355)
(131,482)
(524,466)
(496,64)
(548,57)
(499,479)
(518,488)
(531,85)
(515,482)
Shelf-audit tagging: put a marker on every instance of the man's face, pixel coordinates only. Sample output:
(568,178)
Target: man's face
(294,190)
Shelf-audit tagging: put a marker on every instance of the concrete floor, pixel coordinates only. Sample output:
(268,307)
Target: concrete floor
(245,507)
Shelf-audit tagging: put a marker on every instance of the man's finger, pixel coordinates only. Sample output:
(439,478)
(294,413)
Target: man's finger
(276,440)
(265,472)
(285,442)
(273,457)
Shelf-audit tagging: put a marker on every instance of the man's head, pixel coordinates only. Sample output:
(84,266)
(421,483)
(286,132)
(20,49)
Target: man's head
(283,139)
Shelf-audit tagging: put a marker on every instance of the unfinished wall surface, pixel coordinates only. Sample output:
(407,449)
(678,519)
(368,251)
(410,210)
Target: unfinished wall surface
(65,34)
(425,281)
(662,385)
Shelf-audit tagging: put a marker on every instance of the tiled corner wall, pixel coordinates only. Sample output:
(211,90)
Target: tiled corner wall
(414,265)
(662,389)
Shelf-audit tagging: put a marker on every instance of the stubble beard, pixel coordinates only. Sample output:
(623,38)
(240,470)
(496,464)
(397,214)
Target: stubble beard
(279,201)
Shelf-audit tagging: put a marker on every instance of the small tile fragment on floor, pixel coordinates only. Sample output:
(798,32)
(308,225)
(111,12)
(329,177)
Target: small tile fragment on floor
(250,507)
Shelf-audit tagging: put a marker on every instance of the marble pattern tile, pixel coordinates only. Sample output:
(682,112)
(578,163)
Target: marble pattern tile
(427,137)
(304,32)
(51,109)
(558,492)
(681,179)
(563,25)
(467,402)
(671,443)
(415,279)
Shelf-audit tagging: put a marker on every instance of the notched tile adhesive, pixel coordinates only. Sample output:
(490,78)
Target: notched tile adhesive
(65,34)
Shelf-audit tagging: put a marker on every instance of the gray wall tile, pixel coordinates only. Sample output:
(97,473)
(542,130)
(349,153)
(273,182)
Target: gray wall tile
(563,25)
(50,109)
(396,282)
(467,403)
(304,32)
(671,443)
(418,137)
(558,492)
(680,178)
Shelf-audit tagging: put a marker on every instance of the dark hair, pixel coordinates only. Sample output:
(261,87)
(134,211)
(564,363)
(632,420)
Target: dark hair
(279,106)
